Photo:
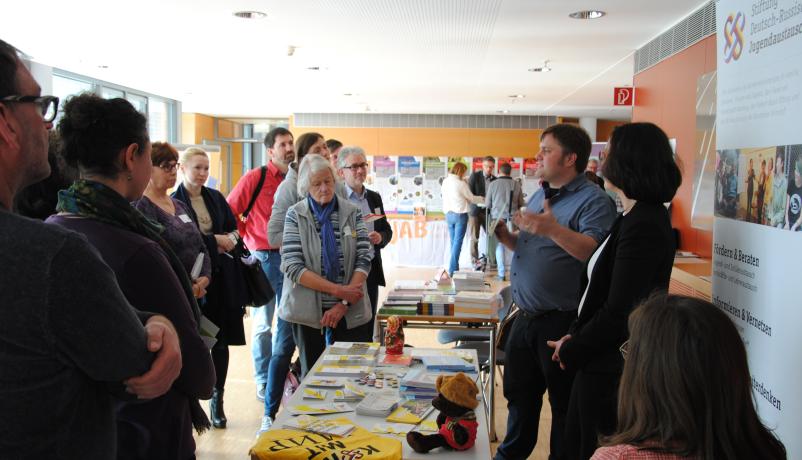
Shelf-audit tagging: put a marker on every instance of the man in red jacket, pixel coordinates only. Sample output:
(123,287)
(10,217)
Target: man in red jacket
(253,228)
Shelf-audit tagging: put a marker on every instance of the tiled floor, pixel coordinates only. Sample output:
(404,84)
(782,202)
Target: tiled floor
(244,412)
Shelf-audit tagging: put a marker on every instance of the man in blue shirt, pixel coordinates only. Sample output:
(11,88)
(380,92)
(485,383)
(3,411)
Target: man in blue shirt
(559,230)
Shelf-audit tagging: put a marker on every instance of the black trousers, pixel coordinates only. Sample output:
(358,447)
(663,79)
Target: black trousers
(311,342)
(528,373)
(592,412)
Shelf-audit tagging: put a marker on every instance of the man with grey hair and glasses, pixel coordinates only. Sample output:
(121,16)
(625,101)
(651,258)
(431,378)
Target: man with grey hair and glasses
(353,168)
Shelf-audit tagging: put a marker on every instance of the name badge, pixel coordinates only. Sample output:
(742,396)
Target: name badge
(377,211)
(185,218)
(347,231)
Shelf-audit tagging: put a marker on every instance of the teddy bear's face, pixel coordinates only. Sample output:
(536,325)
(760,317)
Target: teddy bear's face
(447,407)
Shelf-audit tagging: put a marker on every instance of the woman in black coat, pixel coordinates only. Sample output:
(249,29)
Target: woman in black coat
(632,262)
(225,296)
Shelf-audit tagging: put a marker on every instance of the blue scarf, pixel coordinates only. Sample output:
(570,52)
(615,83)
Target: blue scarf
(331,259)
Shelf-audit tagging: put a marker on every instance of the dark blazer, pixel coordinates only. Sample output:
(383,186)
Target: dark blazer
(478,186)
(382,226)
(225,296)
(636,261)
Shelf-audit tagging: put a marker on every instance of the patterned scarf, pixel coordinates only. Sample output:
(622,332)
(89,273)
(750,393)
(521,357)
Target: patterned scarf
(97,201)
(331,260)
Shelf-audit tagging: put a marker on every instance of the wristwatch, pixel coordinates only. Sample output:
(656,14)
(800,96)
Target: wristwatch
(344,302)
(233,238)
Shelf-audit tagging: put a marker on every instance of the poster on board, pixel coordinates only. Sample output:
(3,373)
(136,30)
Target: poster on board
(434,171)
(756,246)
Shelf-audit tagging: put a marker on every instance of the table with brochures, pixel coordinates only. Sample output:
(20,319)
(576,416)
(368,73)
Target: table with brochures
(462,323)
(313,395)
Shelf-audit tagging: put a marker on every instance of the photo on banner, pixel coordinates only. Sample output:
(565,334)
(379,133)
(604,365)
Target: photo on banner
(756,265)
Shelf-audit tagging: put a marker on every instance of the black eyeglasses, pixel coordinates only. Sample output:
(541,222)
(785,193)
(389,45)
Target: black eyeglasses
(624,349)
(356,167)
(168,167)
(48,105)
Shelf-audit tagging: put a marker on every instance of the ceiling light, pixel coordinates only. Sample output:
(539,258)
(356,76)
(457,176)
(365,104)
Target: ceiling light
(587,14)
(314,67)
(102,66)
(250,14)
(502,111)
(545,68)
(517,96)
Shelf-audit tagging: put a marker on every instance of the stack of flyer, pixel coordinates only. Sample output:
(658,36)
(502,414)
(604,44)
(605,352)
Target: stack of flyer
(469,281)
(418,384)
(476,304)
(349,393)
(378,404)
(338,427)
(447,363)
(436,305)
(354,348)
(335,370)
(349,360)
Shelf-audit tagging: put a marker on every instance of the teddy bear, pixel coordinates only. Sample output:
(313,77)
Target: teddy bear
(456,421)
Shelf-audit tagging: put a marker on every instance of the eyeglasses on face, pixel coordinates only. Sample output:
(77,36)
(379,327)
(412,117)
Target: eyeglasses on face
(168,167)
(356,167)
(48,105)
(624,349)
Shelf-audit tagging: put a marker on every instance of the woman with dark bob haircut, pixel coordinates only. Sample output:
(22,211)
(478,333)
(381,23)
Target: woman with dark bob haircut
(633,261)
(107,140)
(686,390)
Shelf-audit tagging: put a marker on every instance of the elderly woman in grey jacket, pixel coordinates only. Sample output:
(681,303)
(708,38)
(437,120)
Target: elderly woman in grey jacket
(325,257)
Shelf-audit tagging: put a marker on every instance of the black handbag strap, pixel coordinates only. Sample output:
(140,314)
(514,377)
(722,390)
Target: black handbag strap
(255,195)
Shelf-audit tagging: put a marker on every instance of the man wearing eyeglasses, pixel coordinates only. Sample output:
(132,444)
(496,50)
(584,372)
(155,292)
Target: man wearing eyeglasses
(68,337)
(353,166)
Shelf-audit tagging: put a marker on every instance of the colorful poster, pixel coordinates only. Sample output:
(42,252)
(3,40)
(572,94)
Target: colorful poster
(453,160)
(755,243)
(434,171)
(409,166)
(383,166)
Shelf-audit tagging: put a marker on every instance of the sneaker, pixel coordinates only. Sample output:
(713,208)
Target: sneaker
(267,423)
(260,391)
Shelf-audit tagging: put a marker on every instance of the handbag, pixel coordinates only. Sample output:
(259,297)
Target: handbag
(260,292)
(505,327)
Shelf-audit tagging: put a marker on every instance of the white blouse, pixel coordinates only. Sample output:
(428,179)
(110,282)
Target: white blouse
(457,196)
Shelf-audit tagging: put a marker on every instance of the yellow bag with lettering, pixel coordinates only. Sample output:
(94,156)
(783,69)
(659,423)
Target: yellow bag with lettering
(291,445)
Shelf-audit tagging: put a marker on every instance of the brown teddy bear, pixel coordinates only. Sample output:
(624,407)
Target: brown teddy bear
(456,421)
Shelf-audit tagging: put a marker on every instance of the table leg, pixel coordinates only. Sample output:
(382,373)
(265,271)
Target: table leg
(491,417)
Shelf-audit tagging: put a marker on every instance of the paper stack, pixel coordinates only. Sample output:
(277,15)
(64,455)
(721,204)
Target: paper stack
(378,404)
(342,371)
(447,363)
(349,393)
(436,305)
(469,281)
(354,348)
(476,304)
(411,411)
(319,408)
(338,427)
(349,360)
(418,384)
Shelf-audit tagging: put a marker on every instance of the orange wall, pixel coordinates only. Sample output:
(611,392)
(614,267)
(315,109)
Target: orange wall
(435,141)
(604,129)
(196,127)
(666,96)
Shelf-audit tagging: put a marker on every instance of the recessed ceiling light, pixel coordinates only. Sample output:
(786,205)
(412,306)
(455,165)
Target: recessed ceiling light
(250,14)
(587,14)
(544,68)
(314,67)
(517,96)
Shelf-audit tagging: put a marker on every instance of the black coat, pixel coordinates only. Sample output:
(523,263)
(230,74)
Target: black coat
(635,262)
(386,230)
(225,295)
(478,186)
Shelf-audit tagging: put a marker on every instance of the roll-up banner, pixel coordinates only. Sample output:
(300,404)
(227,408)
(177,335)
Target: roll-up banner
(757,253)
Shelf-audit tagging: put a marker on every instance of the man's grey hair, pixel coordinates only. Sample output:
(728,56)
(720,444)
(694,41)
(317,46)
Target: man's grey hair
(346,152)
(311,165)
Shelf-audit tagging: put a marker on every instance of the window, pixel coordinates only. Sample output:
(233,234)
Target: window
(158,120)
(111,93)
(64,87)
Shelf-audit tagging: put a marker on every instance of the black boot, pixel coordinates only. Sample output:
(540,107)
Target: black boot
(216,408)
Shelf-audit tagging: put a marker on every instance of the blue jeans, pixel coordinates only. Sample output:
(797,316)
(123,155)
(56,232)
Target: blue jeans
(263,317)
(457,225)
(283,348)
